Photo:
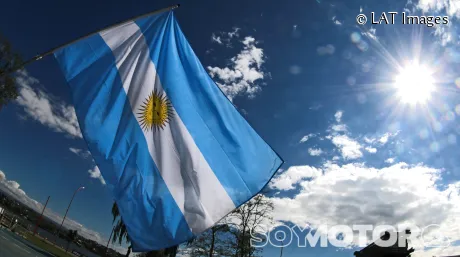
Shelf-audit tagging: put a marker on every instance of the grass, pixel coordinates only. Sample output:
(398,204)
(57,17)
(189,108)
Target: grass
(47,246)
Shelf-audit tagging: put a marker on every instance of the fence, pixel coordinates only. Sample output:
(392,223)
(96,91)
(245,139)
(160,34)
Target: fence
(14,222)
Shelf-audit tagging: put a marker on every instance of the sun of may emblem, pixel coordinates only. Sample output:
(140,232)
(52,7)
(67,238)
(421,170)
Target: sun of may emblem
(155,112)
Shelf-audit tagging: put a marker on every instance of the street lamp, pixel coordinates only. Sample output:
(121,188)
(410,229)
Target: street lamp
(281,254)
(107,247)
(68,207)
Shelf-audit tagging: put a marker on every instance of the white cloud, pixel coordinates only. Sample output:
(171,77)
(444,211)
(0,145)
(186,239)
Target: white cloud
(11,186)
(452,251)
(390,160)
(45,108)
(339,127)
(450,8)
(370,33)
(381,139)
(14,187)
(85,154)
(444,34)
(372,30)
(315,152)
(216,39)
(50,112)
(336,21)
(292,176)
(326,50)
(243,77)
(384,138)
(349,148)
(225,37)
(305,138)
(369,140)
(233,33)
(338,116)
(355,194)
(371,149)
(96,173)
(315,107)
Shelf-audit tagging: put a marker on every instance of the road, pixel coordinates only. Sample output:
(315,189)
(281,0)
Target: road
(12,245)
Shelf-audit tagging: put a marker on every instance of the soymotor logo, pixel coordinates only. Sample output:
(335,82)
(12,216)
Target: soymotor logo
(344,236)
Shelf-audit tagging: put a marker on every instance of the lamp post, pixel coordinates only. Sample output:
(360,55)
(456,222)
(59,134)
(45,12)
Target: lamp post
(41,215)
(281,252)
(68,207)
(107,247)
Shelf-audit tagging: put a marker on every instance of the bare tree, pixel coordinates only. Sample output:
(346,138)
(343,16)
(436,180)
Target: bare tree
(232,235)
(256,212)
(212,242)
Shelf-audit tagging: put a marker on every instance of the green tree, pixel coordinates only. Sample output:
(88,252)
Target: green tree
(120,234)
(9,61)
(71,236)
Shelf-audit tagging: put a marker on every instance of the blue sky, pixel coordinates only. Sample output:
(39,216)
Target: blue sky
(316,87)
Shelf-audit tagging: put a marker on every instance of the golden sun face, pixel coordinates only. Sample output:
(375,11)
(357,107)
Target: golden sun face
(155,112)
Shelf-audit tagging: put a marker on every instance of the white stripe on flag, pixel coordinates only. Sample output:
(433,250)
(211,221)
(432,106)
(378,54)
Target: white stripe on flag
(193,185)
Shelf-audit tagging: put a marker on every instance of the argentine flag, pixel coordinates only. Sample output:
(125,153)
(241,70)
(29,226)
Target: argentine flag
(173,149)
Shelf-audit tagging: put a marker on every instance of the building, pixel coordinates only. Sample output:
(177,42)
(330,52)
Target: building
(376,250)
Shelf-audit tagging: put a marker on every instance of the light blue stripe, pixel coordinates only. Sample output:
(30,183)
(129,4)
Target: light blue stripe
(241,160)
(118,146)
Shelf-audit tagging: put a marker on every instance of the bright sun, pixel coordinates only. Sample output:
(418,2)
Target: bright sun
(414,84)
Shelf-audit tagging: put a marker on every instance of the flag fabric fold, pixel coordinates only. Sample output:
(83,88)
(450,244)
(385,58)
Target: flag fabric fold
(176,153)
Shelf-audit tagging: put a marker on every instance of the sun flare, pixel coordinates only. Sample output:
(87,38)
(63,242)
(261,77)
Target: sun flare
(414,84)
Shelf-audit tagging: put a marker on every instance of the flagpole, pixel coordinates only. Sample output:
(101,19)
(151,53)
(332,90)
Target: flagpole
(40,56)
